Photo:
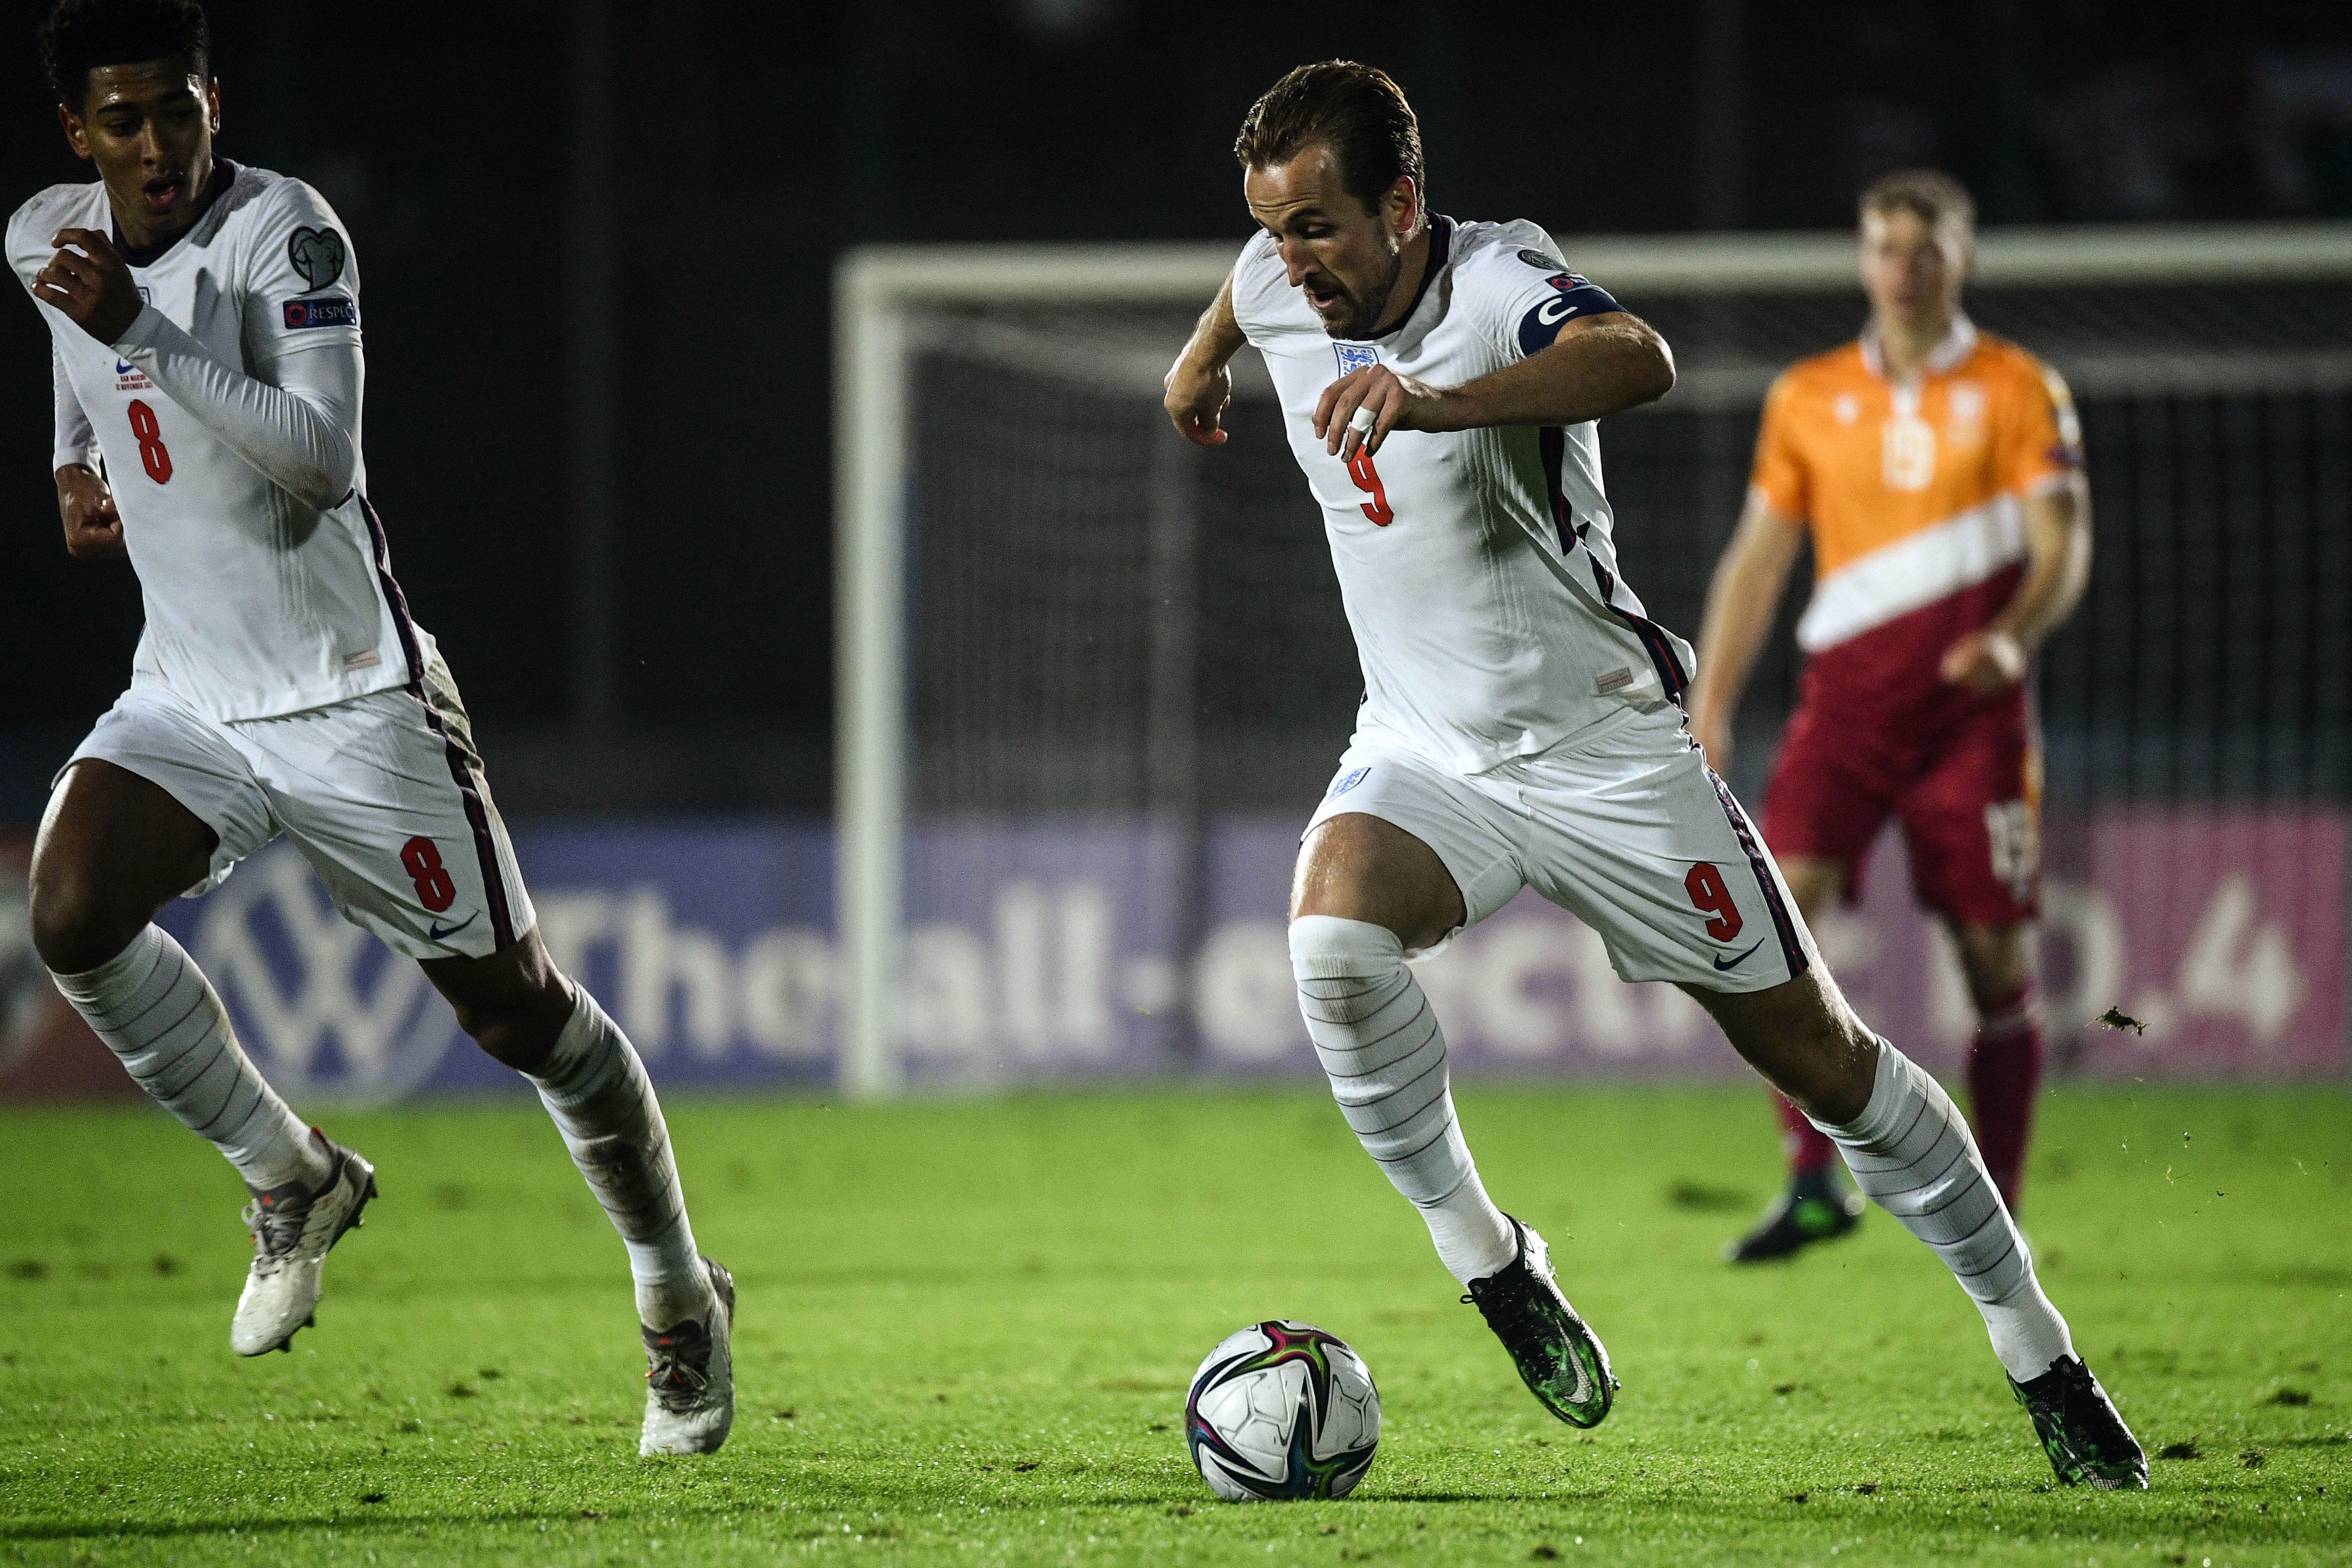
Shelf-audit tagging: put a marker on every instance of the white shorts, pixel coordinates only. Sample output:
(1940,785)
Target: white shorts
(1629,830)
(384,795)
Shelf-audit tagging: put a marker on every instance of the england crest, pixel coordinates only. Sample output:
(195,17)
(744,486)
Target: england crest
(1354,357)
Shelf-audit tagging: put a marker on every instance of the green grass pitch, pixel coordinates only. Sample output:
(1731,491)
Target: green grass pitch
(966,1330)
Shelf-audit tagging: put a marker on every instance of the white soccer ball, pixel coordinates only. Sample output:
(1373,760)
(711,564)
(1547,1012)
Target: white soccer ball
(1282,1410)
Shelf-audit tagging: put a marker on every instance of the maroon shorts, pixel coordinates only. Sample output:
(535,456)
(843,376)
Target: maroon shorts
(1961,773)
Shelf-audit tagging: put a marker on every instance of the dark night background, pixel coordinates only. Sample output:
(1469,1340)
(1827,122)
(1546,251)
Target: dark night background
(751,143)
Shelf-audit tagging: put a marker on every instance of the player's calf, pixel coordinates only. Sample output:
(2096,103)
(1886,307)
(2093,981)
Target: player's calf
(1379,1042)
(1911,1153)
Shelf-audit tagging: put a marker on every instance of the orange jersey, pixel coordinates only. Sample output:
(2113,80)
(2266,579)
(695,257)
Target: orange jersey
(1911,492)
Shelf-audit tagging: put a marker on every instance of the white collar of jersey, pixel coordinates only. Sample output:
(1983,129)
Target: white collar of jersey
(1955,346)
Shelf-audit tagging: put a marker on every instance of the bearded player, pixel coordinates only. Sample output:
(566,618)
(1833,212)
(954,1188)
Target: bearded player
(1940,473)
(205,327)
(1521,726)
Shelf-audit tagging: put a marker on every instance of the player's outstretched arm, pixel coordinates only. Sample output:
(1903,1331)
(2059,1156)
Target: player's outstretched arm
(1200,384)
(1740,600)
(1597,366)
(2058,568)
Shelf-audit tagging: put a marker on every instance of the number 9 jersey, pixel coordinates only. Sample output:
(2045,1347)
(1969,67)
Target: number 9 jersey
(1476,566)
(1521,714)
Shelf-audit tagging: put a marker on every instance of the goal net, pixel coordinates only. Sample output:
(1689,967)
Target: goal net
(1093,679)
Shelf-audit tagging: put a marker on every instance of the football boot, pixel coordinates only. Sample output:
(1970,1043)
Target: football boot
(690,1377)
(1816,1206)
(2086,1440)
(1561,1360)
(293,1227)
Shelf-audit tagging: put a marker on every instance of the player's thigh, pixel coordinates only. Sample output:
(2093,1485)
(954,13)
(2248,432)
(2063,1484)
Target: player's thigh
(154,803)
(1636,836)
(1401,843)
(395,817)
(1972,821)
(1831,790)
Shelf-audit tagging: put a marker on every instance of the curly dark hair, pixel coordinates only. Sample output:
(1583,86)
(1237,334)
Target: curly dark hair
(82,35)
(1356,111)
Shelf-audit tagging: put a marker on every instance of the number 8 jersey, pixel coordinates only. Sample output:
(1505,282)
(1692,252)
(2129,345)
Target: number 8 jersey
(257,603)
(1476,566)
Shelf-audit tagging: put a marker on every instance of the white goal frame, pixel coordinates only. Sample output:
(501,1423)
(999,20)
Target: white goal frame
(876,290)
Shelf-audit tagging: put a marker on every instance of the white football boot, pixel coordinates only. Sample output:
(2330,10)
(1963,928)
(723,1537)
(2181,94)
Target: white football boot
(690,1377)
(292,1229)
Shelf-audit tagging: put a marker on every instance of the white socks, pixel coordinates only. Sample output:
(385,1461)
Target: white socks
(155,1010)
(597,1089)
(1380,1045)
(1910,1151)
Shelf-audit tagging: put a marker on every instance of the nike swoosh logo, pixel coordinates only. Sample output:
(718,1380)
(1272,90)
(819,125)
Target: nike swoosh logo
(1736,963)
(436,934)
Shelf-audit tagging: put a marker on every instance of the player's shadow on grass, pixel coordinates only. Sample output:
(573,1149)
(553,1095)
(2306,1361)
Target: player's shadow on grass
(361,1520)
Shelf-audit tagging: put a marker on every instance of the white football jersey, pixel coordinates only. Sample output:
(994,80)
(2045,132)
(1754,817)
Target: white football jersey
(257,603)
(1476,566)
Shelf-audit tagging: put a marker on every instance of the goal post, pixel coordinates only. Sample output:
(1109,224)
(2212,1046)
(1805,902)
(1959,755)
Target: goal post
(1108,317)
(875,290)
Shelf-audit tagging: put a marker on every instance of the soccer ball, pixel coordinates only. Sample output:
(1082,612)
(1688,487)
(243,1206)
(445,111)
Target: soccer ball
(1282,1410)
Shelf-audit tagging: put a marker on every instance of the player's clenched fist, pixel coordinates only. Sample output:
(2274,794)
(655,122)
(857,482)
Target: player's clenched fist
(1361,407)
(93,527)
(1196,400)
(90,282)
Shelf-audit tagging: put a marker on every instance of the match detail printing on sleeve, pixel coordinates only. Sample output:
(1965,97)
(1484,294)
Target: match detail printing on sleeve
(300,431)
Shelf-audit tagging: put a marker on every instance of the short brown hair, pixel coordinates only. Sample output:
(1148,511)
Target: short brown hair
(1934,196)
(1356,111)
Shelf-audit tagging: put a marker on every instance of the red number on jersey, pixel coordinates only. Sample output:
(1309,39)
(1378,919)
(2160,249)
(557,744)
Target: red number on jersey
(152,453)
(422,860)
(1712,898)
(1368,480)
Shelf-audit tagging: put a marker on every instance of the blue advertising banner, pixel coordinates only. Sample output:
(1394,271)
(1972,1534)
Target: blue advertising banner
(1055,951)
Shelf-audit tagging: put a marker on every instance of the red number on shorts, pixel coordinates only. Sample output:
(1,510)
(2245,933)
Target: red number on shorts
(1368,480)
(1712,898)
(435,890)
(151,450)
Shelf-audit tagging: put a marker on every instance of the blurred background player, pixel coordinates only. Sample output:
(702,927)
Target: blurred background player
(206,357)
(1521,726)
(1941,472)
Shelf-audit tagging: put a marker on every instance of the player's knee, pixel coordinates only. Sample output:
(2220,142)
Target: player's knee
(75,928)
(1329,947)
(519,1031)
(520,1037)
(1993,959)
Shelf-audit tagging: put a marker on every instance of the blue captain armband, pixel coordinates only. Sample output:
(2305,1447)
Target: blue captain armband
(1572,296)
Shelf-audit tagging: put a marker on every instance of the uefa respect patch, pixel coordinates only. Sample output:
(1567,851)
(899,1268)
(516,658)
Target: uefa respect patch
(332,312)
